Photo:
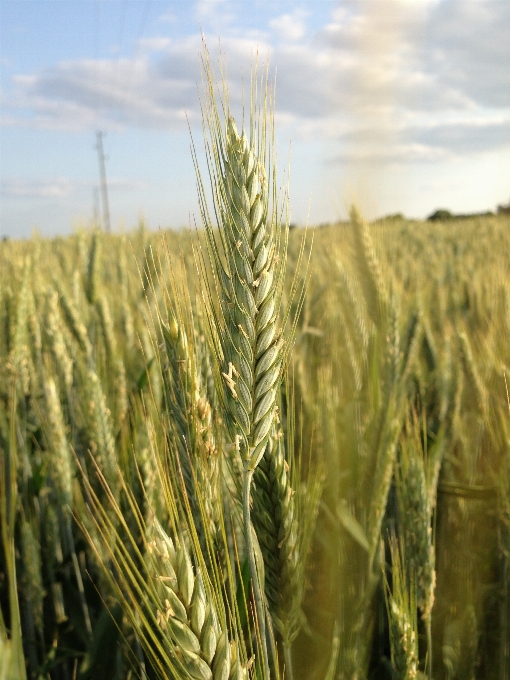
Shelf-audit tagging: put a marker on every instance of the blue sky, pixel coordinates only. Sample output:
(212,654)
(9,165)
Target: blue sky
(399,105)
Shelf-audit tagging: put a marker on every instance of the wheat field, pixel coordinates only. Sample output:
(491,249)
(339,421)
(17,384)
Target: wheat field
(250,451)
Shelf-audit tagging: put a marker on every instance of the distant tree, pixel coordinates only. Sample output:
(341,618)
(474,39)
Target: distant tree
(441,215)
(504,209)
(393,217)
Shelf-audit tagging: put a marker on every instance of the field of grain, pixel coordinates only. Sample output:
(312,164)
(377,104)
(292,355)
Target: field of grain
(250,452)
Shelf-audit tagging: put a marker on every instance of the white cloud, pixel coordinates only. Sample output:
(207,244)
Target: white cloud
(289,26)
(59,187)
(427,82)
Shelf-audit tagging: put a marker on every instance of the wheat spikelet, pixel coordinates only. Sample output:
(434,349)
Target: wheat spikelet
(149,474)
(276,523)
(249,280)
(401,610)
(35,336)
(101,428)
(186,614)
(61,465)
(353,306)
(77,289)
(411,345)
(254,354)
(414,518)
(369,270)
(204,359)
(55,333)
(404,647)
(113,359)
(121,392)
(61,471)
(179,623)
(476,393)
(105,317)
(385,457)
(354,363)
(19,357)
(191,416)
(74,323)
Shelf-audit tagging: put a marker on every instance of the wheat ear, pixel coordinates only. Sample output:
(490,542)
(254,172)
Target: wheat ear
(187,615)
(75,324)
(414,516)
(249,265)
(369,269)
(19,354)
(401,607)
(55,333)
(100,428)
(275,521)
(191,421)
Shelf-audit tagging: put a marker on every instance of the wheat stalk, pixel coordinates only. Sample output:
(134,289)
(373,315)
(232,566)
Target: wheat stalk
(93,268)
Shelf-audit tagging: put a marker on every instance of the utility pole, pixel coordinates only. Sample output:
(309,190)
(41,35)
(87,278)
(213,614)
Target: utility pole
(104,186)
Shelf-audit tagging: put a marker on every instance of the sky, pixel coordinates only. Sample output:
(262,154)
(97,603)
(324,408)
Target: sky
(396,105)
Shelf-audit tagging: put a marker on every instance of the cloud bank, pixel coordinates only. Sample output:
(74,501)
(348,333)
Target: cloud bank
(432,78)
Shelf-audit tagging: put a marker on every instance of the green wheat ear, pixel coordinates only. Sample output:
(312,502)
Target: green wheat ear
(252,348)
(248,256)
